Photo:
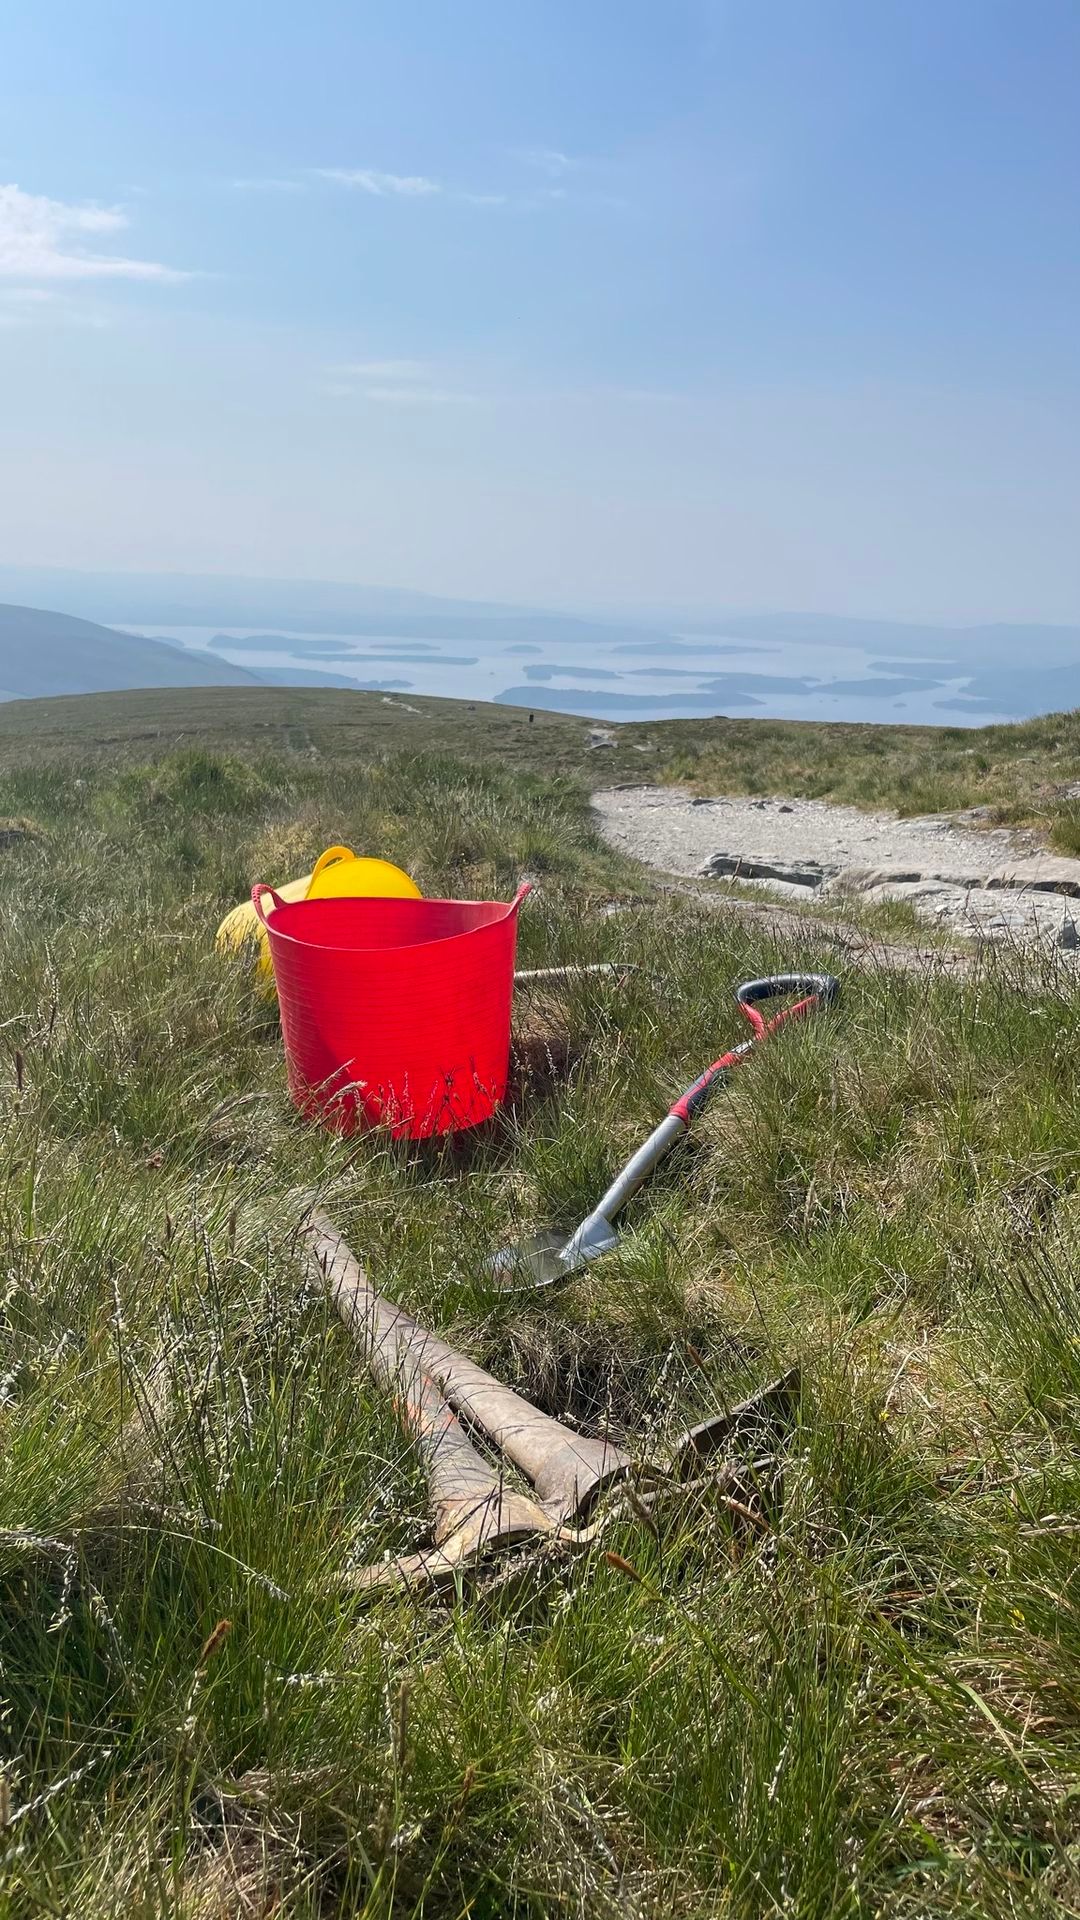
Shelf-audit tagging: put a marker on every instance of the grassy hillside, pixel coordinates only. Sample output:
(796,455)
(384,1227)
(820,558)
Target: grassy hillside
(1026,774)
(49,653)
(115,727)
(866,1705)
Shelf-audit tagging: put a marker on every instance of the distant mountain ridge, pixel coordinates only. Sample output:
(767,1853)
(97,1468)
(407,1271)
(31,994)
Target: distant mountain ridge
(45,653)
(224,600)
(347,608)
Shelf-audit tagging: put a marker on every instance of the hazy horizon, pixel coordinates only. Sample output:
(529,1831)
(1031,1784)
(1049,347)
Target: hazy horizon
(395,642)
(74,587)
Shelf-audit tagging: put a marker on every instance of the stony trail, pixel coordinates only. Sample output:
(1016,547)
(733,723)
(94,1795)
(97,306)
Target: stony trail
(985,882)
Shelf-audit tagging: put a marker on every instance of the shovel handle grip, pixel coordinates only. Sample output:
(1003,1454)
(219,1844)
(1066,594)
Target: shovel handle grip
(817,989)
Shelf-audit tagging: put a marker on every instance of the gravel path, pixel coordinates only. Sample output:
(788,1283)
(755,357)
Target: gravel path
(986,882)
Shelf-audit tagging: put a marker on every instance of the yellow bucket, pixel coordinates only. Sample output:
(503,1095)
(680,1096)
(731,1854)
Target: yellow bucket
(338,874)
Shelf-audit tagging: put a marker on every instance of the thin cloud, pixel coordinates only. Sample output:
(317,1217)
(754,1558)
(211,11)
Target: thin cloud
(406,186)
(380,185)
(393,383)
(42,239)
(549,160)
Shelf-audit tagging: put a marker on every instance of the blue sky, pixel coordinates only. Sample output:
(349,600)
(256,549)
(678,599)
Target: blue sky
(591,302)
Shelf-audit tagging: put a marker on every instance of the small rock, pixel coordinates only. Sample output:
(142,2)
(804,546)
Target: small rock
(1067,938)
(737,867)
(853,880)
(784,808)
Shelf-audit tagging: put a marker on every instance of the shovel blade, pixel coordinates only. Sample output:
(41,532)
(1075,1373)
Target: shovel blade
(539,1261)
(546,1258)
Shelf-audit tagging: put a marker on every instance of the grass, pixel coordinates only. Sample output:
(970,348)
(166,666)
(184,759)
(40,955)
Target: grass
(1022,774)
(871,1709)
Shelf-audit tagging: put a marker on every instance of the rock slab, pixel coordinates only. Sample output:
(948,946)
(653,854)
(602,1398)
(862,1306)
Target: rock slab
(959,873)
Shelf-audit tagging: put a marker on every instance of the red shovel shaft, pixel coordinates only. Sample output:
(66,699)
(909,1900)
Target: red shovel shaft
(818,990)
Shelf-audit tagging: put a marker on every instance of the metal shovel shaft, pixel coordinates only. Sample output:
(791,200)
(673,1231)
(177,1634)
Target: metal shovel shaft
(635,1173)
(548,1259)
(662,1138)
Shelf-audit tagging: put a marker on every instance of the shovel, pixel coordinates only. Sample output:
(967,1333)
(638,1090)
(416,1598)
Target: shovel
(547,1258)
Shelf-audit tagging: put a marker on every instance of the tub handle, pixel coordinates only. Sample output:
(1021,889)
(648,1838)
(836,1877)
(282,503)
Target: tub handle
(330,859)
(257,892)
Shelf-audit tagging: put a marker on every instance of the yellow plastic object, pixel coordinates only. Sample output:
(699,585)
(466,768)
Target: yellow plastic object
(341,875)
(337,873)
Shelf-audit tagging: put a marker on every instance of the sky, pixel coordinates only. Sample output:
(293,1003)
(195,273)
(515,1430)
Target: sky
(590,303)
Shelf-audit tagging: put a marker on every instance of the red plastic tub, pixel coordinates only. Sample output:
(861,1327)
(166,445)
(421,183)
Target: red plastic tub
(395,1013)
